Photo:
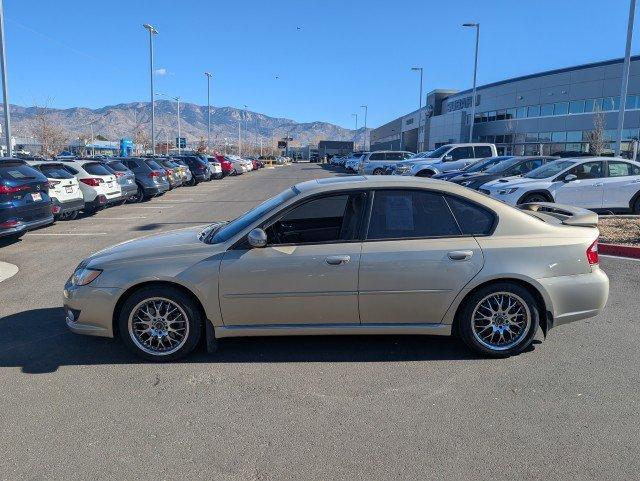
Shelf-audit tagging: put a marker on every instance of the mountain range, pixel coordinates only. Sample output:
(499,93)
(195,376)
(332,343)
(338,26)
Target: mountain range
(132,120)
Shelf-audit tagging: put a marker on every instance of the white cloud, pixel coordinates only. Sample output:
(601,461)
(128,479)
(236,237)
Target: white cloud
(160,71)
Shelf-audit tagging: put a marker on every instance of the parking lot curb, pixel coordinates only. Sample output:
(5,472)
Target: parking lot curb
(619,250)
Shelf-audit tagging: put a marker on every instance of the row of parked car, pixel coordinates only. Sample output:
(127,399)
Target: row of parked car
(36,192)
(605,184)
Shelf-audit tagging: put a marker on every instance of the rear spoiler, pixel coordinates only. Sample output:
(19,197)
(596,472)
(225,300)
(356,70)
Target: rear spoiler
(567,214)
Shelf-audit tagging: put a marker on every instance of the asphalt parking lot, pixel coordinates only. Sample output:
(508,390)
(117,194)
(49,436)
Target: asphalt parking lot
(301,408)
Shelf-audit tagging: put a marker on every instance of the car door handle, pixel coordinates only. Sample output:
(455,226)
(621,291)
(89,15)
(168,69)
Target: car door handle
(337,260)
(460,255)
(599,184)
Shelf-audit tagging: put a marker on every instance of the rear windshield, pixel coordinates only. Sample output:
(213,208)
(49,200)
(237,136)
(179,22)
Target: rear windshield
(55,171)
(170,164)
(17,172)
(118,166)
(485,164)
(96,169)
(153,165)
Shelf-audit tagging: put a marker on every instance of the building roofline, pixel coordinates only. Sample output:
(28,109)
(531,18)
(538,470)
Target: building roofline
(602,63)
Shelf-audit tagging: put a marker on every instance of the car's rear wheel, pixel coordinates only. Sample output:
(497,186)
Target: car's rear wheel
(69,215)
(160,323)
(535,197)
(636,205)
(138,196)
(424,173)
(499,320)
(378,172)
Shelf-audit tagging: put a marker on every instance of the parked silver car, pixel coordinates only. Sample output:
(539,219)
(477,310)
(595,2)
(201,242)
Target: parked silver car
(349,255)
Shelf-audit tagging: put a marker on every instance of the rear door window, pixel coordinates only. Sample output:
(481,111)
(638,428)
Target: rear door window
(472,219)
(394,156)
(482,151)
(406,214)
(96,169)
(377,156)
(588,170)
(622,169)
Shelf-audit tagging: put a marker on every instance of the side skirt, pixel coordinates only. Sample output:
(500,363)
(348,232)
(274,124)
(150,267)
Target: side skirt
(332,329)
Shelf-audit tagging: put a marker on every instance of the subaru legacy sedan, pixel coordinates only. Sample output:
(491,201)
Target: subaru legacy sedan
(349,255)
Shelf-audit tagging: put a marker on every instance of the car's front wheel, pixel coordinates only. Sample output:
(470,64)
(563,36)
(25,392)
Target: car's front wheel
(378,172)
(499,320)
(160,323)
(535,198)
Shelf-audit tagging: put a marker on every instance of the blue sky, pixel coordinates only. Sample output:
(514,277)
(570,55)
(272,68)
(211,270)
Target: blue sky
(346,53)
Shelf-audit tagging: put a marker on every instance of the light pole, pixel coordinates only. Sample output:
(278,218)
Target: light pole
(625,76)
(177,99)
(366,111)
(421,70)
(475,76)
(152,32)
(209,75)
(246,133)
(355,134)
(5,87)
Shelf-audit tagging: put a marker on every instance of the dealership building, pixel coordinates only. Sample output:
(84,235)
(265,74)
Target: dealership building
(544,113)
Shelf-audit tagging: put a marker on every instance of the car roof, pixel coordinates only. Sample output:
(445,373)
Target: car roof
(377,181)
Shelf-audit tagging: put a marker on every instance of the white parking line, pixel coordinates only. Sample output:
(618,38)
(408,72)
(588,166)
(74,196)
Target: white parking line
(122,218)
(65,233)
(151,206)
(7,270)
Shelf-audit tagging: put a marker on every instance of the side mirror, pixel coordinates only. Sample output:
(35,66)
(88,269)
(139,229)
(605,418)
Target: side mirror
(570,177)
(257,238)
(447,158)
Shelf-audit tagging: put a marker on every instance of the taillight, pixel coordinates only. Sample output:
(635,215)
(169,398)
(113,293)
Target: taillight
(8,224)
(155,173)
(55,209)
(119,174)
(53,183)
(5,189)
(592,253)
(169,172)
(93,182)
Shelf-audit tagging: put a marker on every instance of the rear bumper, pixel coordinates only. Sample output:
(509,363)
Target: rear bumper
(573,298)
(156,189)
(26,226)
(129,190)
(69,206)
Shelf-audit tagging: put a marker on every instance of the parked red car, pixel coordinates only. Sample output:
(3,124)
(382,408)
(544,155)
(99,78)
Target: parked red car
(226,166)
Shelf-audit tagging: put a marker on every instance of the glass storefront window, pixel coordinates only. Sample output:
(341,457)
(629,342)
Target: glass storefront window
(616,103)
(597,105)
(477,119)
(518,149)
(556,149)
(632,102)
(521,112)
(501,114)
(610,135)
(561,108)
(574,136)
(588,106)
(499,139)
(546,110)
(630,134)
(576,106)
(531,137)
(511,113)
(518,138)
(531,149)
(574,147)
(544,136)
(533,111)
(508,138)
(491,116)
(607,104)
(559,136)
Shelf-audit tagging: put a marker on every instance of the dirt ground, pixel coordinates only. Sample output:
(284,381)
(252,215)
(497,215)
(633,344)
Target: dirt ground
(620,230)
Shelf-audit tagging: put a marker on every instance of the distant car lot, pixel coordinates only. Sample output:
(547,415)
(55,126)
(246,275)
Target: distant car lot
(381,407)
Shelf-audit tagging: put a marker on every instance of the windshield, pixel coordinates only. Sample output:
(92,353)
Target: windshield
(502,166)
(439,152)
(227,231)
(550,169)
(484,164)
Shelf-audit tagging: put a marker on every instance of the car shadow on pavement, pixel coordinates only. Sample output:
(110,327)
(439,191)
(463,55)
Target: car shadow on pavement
(38,341)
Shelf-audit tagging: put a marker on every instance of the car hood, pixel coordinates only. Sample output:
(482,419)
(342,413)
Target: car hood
(515,182)
(476,178)
(157,247)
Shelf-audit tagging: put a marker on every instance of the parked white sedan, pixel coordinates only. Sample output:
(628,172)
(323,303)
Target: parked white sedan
(596,183)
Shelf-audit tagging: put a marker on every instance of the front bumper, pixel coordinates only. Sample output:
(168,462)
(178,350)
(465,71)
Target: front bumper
(89,310)
(577,297)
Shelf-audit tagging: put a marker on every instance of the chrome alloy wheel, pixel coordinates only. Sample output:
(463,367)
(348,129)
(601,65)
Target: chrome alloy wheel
(500,321)
(158,326)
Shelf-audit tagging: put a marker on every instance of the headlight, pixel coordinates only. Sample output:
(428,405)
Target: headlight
(507,191)
(83,276)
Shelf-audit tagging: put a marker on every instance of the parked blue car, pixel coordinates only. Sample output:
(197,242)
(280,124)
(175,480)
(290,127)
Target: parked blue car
(24,198)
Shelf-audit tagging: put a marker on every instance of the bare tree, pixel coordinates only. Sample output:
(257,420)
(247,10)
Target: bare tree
(140,137)
(596,136)
(49,133)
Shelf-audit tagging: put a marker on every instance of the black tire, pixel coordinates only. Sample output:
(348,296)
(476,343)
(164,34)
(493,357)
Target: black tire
(378,171)
(189,309)
(138,196)
(636,205)
(69,215)
(535,197)
(424,173)
(524,302)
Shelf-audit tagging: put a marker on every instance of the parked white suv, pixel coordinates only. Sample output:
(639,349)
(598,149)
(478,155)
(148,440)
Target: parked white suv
(64,189)
(597,183)
(99,186)
(445,158)
(375,163)
(352,163)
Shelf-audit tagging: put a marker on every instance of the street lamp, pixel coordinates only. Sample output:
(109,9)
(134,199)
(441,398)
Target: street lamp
(246,133)
(177,99)
(366,111)
(475,76)
(152,32)
(209,75)
(355,134)
(625,77)
(5,87)
(421,70)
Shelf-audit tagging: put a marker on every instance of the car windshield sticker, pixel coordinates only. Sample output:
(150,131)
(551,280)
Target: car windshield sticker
(399,213)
